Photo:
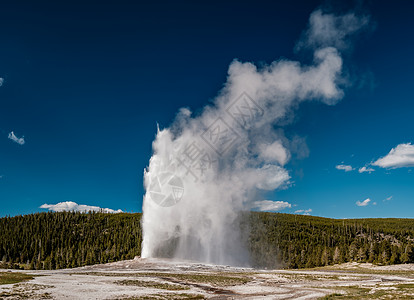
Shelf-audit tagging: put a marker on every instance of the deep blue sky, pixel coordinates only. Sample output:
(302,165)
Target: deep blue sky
(86,84)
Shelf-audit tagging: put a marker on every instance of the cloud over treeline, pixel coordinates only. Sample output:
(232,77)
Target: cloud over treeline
(73,206)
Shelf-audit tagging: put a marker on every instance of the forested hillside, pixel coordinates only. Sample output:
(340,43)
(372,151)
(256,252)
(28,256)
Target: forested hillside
(69,239)
(303,241)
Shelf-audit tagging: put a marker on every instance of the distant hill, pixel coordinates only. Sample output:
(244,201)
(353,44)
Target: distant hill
(68,239)
(72,239)
(306,241)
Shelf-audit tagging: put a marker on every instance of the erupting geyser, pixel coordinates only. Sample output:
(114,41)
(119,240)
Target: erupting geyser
(208,168)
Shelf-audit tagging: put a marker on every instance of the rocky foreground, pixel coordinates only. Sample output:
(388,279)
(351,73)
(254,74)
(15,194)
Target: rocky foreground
(164,279)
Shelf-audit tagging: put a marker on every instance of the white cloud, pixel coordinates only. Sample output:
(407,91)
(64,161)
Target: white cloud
(305,212)
(388,198)
(274,152)
(1,176)
(14,138)
(346,168)
(258,100)
(73,206)
(366,169)
(268,205)
(1,81)
(374,203)
(363,203)
(399,157)
(329,30)
(269,177)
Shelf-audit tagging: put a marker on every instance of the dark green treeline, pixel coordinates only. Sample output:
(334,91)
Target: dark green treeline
(69,239)
(304,242)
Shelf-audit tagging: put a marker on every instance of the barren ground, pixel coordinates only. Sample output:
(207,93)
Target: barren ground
(164,279)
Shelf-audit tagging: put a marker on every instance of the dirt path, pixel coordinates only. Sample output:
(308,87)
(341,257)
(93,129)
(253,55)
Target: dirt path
(163,279)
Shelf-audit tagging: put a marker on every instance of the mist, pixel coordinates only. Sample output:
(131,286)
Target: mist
(208,168)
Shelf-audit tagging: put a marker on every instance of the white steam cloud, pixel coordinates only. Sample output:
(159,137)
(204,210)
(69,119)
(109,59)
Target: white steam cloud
(329,30)
(206,169)
(73,206)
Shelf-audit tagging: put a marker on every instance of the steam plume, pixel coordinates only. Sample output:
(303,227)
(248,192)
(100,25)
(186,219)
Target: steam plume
(207,168)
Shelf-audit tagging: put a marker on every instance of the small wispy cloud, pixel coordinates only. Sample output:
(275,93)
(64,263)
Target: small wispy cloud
(363,203)
(268,205)
(1,81)
(346,168)
(388,198)
(400,156)
(366,169)
(14,138)
(73,206)
(305,212)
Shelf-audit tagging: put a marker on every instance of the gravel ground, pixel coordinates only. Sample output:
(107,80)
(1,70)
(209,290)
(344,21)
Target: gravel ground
(165,279)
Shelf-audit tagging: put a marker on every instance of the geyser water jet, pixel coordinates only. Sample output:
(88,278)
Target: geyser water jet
(206,169)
